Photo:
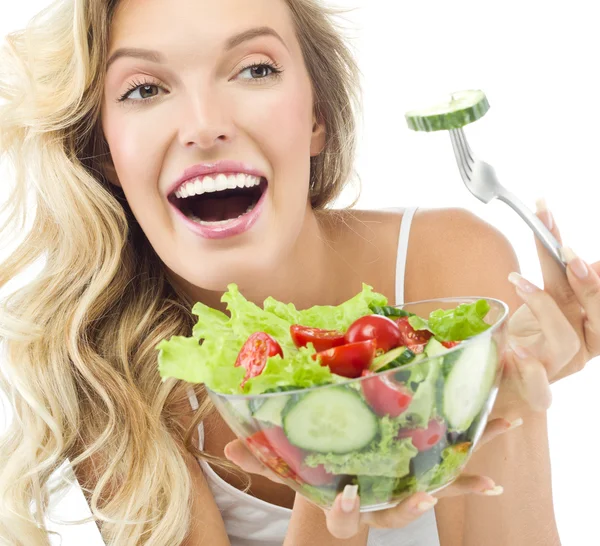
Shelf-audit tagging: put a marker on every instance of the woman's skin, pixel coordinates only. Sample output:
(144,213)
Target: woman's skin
(206,106)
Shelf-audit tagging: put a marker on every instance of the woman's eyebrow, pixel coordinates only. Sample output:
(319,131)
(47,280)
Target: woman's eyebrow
(158,58)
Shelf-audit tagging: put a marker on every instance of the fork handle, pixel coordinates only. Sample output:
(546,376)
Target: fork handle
(537,226)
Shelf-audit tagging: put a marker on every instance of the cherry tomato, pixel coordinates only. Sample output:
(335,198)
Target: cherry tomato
(321,339)
(348,360)
(415,340)
(385,398)
(425,438)
(286,459)
(450,344)
(383,330)
(255,352)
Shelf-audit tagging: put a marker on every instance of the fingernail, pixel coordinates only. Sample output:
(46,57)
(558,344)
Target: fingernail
(544,213)
(494,491)
(515,424)
(576,264)
(426,505)
(521,352)
(349,498)
(522,283)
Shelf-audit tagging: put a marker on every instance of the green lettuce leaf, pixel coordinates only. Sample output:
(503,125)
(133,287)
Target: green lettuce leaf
(183,358)
(418,323)
(460,323)
(453,460)
(329,317)
(387,456)
(380,489)
(457,324)
(209,355)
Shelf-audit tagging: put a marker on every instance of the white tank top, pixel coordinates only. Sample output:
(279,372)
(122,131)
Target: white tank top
(250,521)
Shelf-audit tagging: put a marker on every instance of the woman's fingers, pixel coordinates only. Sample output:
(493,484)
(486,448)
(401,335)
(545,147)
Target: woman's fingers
(344,519)
(471,484)
(403,514)
(496,428)
(531,378)
(239,454)
(345,524)
(585,284)
(562,342)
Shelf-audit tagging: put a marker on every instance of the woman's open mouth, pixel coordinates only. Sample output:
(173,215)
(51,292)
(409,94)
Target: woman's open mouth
(221,205)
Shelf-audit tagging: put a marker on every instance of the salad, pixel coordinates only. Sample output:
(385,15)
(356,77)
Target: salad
(361,392)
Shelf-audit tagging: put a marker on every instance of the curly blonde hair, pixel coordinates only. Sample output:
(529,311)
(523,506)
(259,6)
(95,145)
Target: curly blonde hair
(79,366)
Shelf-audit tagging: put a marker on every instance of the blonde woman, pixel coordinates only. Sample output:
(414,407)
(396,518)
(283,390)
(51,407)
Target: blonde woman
(112,105)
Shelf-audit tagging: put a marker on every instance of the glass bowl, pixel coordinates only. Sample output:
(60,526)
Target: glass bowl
(410,428)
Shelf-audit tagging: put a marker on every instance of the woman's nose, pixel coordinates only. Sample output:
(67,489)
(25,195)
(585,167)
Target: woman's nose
(206,121)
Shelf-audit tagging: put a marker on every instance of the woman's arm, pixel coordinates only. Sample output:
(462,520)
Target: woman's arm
(308,526)
(477,261)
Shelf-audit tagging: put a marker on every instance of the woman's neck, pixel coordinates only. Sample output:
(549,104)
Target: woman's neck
(311,274)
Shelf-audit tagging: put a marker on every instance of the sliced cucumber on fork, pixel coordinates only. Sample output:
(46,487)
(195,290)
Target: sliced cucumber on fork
(459,109)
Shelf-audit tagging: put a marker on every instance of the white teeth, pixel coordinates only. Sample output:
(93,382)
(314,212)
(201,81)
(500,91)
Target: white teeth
(207,185)
(221,182)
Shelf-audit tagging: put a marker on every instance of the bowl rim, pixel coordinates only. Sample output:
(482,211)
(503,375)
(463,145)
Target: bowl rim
(463,299)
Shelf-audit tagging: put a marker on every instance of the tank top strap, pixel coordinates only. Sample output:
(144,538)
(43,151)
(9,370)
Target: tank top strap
(403,239)
(195,405)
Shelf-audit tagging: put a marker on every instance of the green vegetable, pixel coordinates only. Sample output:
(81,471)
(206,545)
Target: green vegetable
(458,110)
(386,456)
(330,420)
(423,405)
(456,324)
(381,489)
(209,356)
(328,317)
(453,459)
(388,311)
(393,462)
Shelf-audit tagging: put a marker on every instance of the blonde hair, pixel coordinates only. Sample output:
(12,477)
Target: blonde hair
(79,364)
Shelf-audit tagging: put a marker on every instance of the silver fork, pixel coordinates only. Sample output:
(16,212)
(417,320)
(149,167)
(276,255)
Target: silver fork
(480,179)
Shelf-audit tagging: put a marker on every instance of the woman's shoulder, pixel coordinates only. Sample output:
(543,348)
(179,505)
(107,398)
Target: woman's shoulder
(447,247)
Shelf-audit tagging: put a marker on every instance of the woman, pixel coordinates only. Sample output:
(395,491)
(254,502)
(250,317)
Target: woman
(112,107)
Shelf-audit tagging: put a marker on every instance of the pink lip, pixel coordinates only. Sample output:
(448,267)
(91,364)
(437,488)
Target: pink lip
(220,167)
(231,228)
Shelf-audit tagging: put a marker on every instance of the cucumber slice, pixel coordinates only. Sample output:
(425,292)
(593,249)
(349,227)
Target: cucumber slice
(469,383)
(392,359)
(389,311)
(330,420)
(270,410)
(458,110)
(434,348)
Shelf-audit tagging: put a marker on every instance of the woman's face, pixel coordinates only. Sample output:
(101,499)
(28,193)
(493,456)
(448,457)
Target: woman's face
(208,113)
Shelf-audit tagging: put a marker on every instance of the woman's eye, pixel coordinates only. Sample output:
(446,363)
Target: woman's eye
(141,92)
(257,72)
(145,91)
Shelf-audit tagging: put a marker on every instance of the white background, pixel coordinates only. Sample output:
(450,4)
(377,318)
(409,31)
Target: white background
(537,62)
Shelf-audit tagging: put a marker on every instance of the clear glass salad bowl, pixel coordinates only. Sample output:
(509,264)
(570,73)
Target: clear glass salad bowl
(392,433)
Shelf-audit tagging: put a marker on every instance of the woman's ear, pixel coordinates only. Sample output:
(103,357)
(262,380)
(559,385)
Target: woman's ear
(317,143)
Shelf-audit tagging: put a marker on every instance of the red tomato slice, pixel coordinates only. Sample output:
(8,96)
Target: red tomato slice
(415,340)
(286,459)
(425,438)
(321,339)
(450,344)
(383,330)
(255,352)
(348,360)
(385,398)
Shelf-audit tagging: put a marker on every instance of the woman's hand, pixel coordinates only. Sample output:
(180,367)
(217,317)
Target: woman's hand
(344,520)
(557,330)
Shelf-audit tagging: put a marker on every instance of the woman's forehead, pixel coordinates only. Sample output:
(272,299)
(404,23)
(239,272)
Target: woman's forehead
(207,21)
